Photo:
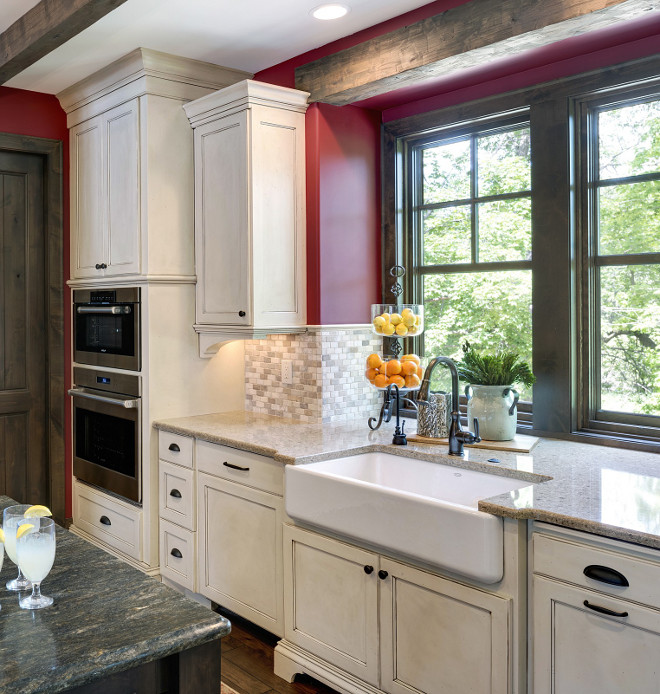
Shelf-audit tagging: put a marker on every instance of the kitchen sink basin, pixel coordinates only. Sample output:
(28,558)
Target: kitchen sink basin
(423,510)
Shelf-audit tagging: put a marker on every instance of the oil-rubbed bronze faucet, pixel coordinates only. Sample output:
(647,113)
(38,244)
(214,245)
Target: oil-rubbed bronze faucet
(457,436)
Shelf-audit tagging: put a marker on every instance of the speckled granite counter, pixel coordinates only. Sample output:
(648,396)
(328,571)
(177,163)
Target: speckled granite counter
(597,489)
(107,617)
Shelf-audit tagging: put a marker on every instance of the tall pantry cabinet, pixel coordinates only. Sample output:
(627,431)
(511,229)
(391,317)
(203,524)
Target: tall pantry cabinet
(132,225)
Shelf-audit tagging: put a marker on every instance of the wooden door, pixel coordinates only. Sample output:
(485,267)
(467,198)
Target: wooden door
(121,134)
(23,356)
(441,637)
(240,550)
(331,601)
(222,222)
(578,649)
(87,208)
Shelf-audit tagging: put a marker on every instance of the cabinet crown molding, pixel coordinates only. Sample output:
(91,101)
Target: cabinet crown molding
(160,73)
(242,95)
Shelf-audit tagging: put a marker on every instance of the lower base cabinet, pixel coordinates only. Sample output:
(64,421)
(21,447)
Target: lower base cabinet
(396,628)
(239,564)
(595,615)
(578,649)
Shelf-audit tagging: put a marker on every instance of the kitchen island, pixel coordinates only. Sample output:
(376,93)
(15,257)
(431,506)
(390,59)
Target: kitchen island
(111,629)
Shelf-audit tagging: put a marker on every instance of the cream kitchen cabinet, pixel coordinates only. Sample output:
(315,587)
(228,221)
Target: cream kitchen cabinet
(365,623)
(105,206)
(240,510)
(596,615)
(249,212)
(131,148)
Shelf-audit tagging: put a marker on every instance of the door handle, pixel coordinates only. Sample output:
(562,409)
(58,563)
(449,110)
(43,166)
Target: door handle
(175,493)
(176,553)
(105,520)
(605,574)
(604,610)
(174,447)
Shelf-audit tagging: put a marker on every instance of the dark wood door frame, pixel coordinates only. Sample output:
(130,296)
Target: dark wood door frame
(51,151)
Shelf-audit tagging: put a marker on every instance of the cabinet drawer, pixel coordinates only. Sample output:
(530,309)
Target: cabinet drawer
(175,448)
(567,561)
(251,469)
(109,520)
(177,554)
(177,494)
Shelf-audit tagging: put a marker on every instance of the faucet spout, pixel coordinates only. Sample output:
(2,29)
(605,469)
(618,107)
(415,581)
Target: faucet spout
(457,436)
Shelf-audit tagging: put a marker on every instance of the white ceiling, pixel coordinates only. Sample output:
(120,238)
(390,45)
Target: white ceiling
(245,34)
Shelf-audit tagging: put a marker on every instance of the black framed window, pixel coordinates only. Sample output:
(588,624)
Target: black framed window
(532,220)
(621,286)
(470,246)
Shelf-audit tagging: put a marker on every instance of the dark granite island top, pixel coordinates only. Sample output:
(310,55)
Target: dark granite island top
(109,623)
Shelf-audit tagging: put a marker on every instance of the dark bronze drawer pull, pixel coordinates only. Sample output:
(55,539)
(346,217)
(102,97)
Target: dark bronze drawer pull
(606,575)
(175,493)
(236,467)
(174,447)
(176,553)
(604,610)
(105,520)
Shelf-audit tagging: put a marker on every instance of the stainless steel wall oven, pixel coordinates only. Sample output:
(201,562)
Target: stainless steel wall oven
(107,431)
(106,327)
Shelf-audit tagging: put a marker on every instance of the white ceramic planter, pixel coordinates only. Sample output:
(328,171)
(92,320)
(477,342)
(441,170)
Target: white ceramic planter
(495,408)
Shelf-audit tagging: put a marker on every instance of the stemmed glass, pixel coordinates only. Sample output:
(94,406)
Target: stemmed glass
(35,549)
(11,517)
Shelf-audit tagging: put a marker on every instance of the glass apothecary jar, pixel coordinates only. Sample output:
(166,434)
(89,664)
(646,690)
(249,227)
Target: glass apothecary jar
(392,320)
(405,371)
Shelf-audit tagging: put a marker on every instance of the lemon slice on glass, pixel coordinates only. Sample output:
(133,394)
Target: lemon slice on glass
(37,511)
(2,536)
(23,529)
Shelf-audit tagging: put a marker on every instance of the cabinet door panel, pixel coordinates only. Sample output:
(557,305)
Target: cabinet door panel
(87,211)
(331,602)
(222,223)
(240,550)
(123,166)
(441,637)
(577,649)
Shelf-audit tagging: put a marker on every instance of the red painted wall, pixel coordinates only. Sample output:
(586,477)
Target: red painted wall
(343,164)
(40,115)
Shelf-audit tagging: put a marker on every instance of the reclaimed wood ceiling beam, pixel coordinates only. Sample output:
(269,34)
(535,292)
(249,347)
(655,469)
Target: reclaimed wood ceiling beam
(470,35)
(49,24)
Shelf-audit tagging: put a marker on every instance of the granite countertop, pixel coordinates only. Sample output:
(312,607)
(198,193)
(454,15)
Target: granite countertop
(602,490)
(107,617)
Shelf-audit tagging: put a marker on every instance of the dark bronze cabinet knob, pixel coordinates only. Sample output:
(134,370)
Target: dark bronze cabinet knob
(241,314)
(382,574)
(368,569)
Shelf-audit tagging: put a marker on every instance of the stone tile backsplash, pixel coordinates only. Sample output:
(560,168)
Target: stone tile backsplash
(328,374)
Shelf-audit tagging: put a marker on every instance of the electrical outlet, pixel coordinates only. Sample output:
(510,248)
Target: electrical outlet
(287,371)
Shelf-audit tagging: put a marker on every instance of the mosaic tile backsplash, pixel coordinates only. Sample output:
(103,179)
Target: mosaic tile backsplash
(328,374)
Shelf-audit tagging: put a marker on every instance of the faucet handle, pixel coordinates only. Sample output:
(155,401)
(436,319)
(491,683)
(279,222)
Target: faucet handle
(477,438)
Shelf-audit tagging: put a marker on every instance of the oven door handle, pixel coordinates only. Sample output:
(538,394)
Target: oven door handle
(128,403)
(115,310)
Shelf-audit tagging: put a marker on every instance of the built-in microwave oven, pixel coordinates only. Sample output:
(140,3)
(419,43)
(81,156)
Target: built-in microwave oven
(106,327)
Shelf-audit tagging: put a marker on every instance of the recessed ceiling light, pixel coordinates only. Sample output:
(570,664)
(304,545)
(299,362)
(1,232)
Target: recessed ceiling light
(332,11)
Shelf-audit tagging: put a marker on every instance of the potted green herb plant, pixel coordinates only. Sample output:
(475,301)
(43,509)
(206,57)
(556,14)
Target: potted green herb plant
(492,399)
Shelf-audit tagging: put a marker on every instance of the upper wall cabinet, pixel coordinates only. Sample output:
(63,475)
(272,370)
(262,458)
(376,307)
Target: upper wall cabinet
(249,212)
(131,149)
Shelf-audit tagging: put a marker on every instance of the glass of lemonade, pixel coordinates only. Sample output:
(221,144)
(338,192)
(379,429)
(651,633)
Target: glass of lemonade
(11,517)
(35,550)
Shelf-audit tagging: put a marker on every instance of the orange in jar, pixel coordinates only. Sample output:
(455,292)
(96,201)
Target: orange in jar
(411,357)
(408,368)
(397,381)
(374,361)
(381,381)
(412,381)
(371,374)
(393,367)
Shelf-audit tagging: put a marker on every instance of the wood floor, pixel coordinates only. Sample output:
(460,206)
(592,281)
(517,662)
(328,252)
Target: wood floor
(247,663)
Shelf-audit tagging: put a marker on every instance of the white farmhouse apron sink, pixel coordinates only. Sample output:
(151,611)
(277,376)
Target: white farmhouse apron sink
(423,510)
